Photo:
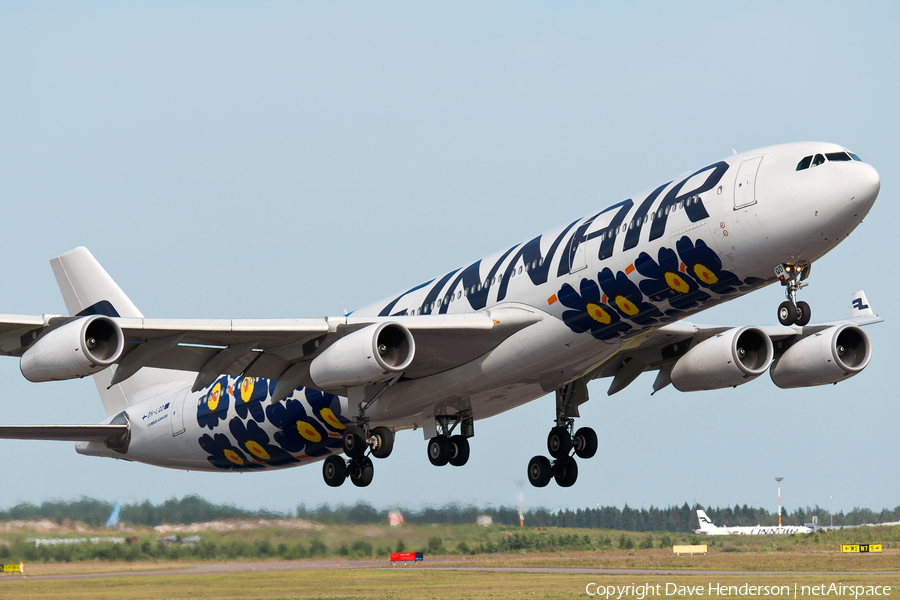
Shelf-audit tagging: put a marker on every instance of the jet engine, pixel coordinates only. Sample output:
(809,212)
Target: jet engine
(829,356)
(77,349)
(372,354)
(725,360)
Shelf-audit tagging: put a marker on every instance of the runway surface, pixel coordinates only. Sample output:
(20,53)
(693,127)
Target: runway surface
(432,565)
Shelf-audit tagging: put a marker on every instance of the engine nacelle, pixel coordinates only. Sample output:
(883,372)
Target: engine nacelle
(76,349)
(725,360)
(372,354)
(830,356)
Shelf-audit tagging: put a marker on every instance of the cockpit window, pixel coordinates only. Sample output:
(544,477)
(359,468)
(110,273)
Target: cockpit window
(818,159)
(854,157)
(837,156)
(804,164)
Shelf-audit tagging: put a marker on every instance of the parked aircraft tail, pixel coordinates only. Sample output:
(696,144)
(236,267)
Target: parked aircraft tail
(87,289)
(706,524)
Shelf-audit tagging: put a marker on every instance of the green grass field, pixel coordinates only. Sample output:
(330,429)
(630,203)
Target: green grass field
(804,560)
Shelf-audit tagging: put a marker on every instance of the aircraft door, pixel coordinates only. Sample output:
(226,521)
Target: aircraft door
(178,413)
(745,183)
(577,253)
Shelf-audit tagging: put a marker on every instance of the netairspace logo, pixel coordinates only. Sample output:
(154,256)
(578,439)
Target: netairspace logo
(715,590)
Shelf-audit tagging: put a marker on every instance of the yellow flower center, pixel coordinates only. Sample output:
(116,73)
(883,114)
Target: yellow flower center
(705,274)
(257,450)
(212,401)
(328,417)
(677,283)
(246,389)
(233,457)
(626,306)
(308,431)
(598,314)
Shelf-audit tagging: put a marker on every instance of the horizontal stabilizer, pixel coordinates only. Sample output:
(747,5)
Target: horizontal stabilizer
(65,433)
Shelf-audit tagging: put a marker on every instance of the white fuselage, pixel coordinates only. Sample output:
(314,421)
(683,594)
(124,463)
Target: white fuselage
(660,256)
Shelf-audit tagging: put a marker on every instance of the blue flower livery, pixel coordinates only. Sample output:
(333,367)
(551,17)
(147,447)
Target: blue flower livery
(664,281)
(255,442)
(589,313)
(704,265)
(627,298)
(213,407)
(249,397)
(298,432)
(223,455)
(328,408)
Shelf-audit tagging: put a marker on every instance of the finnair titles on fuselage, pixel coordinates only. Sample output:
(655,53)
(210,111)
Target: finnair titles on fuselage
(708,528)
(601,296)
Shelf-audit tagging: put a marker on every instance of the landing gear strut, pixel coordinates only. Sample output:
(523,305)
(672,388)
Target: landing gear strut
(356,440)
(562,443)
(791,275)
(445,447)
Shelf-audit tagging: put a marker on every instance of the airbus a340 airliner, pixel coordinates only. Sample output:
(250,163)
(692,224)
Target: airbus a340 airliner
(602,296)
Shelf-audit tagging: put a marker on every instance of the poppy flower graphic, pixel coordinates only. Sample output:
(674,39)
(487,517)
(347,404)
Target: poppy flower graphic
(664,281)
(328,409)
(705,266)
(223,454)
(588,313)
(297,431)
(625,295)
(212,407)
(249,394)
(255,442)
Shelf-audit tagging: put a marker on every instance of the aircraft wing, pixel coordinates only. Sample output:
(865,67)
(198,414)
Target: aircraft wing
(660,348)
(270,347)
(71,433)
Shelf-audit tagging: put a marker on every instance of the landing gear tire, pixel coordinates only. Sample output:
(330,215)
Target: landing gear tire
(384,442)
(459,450)
(362,471)
(804,313)
(787,313)
(439,450)
(585,442)
(565,471)
(559,442)
(540,472)
(334,470)
(354,442)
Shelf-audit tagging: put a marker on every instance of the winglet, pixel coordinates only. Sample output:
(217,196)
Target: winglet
(859,306)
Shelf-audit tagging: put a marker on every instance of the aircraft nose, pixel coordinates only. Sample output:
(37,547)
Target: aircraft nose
(860,182)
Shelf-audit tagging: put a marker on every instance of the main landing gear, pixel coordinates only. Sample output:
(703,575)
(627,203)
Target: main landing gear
(446,448)
(562,444)
(356,440)
(791,312)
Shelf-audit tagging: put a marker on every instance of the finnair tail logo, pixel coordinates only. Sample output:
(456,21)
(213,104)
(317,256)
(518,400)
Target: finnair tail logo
(858,304)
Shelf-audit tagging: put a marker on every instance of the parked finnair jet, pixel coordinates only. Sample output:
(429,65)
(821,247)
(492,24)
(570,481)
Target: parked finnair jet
(602,296)
(707,528)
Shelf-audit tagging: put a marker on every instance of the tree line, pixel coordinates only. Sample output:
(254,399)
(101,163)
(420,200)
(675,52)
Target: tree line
(683,519)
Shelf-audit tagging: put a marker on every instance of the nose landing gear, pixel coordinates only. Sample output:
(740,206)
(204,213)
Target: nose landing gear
(791,275)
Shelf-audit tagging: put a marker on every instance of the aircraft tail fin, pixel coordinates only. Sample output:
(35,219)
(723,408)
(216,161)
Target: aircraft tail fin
(87,289)
(706,523)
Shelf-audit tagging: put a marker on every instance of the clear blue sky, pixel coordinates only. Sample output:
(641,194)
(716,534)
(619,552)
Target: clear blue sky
(301,159)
